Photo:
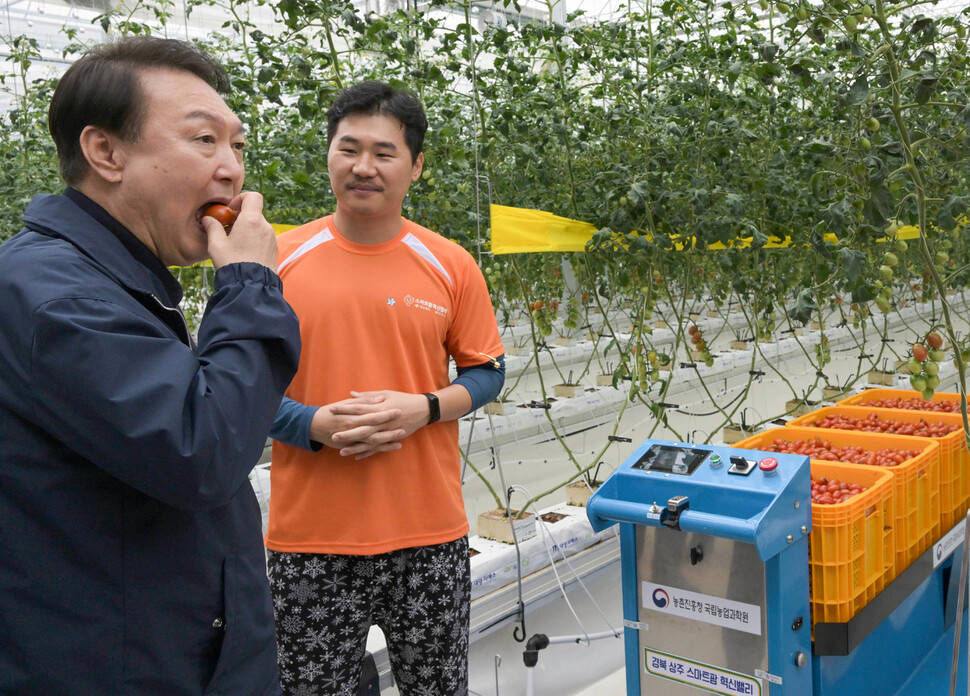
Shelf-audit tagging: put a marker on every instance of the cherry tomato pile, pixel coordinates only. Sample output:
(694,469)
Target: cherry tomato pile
(874,424)
(914,403)
(829,491)
(817,448)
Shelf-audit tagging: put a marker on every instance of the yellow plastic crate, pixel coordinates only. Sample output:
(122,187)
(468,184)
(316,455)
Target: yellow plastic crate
(852,546)
(916,481)
(954,455)
(864,398)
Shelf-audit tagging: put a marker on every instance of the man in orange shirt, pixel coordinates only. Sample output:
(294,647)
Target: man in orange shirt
(367,522)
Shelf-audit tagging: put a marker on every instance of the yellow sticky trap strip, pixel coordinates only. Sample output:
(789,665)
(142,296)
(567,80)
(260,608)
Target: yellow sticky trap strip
(521,230)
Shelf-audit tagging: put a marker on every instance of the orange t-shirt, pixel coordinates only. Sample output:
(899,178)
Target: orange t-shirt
(382,316)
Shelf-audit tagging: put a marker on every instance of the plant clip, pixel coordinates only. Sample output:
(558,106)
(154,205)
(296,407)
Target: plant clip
(538,404)
(688,364)
(756,373)
(664,404)
(863,356)
(886,339)
(819,373)
(617,438)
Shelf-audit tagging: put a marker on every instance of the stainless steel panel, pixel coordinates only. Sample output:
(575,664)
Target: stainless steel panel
(728,570)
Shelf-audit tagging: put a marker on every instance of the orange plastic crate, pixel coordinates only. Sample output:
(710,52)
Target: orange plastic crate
(852,546)
(954,455)
(916,482)
(863,397)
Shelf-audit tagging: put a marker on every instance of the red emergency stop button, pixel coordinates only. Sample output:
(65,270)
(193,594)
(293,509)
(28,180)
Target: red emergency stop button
(768,466)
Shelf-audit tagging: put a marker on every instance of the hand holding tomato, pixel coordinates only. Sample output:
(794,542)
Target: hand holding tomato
(252,240)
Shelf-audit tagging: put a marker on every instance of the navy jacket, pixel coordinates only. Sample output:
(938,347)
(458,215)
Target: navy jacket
(130,553)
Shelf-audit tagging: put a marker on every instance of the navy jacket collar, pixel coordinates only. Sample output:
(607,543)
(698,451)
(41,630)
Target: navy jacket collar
(59,216)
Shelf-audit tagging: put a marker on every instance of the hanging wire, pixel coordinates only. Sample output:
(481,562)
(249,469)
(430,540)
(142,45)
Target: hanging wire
(519,633)
(552,561)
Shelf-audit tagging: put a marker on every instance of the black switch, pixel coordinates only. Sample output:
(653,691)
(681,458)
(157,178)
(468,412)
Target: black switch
(741,466)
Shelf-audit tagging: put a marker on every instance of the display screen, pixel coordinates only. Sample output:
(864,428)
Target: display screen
(671,460)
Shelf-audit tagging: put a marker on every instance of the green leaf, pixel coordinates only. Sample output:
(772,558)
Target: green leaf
(858,92)
(853,263)
(804,306)
(925,89)
(878,207)
(954,208)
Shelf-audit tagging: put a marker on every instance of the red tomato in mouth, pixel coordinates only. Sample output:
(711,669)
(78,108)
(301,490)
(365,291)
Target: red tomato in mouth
(224,215)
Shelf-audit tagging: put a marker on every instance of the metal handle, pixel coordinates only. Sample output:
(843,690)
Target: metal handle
(604,512)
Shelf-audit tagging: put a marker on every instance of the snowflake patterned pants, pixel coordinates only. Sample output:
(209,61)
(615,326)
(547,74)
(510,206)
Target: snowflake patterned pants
(325,605)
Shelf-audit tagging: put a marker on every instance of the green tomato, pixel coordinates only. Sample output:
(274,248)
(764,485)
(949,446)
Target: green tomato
(931,369)
(873,122)
(928,394)
(937,354)
(890,259)
(914,366)
(932,382)
(886,273)
(918,381)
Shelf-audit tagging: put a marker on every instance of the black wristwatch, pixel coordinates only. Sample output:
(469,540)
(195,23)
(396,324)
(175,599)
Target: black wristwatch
(435,408)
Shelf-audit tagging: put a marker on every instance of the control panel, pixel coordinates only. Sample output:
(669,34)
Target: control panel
(735,492)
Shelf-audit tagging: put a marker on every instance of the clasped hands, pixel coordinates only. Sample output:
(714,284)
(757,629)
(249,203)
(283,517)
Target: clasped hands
(369,422)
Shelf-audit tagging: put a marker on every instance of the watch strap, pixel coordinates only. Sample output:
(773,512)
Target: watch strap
(435,408)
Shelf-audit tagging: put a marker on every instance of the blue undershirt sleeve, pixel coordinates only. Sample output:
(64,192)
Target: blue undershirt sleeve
(483,382)
(292,425)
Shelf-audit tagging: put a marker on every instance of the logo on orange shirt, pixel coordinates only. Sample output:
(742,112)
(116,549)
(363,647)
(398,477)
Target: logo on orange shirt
(426,305)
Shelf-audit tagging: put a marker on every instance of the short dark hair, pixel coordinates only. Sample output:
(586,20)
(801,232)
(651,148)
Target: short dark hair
(375,97)
(102,89)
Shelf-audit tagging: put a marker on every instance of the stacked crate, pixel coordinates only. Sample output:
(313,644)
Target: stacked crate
(859,546)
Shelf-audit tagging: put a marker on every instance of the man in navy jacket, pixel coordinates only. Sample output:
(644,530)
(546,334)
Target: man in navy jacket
(130,553)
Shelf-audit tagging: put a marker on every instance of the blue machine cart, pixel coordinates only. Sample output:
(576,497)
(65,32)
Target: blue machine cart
(715,575)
